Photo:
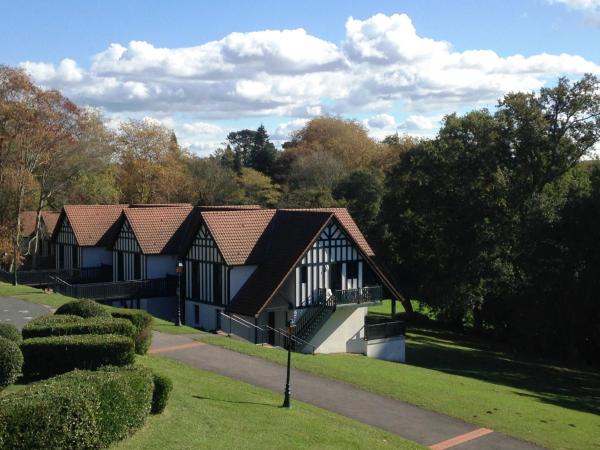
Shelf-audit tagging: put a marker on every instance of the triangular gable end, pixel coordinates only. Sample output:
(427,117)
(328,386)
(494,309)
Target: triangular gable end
(204,247)
(126,240)
(64,232)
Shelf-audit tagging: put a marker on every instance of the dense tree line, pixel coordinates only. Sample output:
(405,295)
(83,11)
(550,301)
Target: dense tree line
(493,223)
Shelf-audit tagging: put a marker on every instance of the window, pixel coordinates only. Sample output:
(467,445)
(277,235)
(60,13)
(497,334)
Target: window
(352,270)
(61,256)
(75,257)
(303,274)
(120,266)
(217,284)
(137,266)
(196,314)
(195,280)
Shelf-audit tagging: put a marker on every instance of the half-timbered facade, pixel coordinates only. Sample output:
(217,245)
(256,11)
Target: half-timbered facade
(333,262)
(67,250)
(262,268)
(128,261)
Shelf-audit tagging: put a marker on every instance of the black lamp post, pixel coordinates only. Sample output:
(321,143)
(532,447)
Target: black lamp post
(287,392)
(179,271)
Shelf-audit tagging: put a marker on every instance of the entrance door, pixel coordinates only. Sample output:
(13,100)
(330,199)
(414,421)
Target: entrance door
(272,325)
(335,276)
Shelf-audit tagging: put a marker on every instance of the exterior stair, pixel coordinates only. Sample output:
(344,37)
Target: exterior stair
(313,318)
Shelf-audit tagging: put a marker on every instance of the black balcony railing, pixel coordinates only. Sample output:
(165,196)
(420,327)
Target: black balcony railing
(384,330)
(120,290)
(358,296)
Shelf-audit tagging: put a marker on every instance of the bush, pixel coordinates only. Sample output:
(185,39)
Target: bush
(83,308)
(9,331)
(11,362)
(77,410)
(48,326)
(162,391)
(142,321)
(48,356)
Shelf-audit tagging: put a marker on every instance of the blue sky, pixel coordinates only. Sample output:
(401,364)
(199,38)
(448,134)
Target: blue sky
(397,66)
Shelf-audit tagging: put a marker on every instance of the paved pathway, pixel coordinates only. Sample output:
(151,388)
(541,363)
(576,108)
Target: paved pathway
(19,312)
(437,431)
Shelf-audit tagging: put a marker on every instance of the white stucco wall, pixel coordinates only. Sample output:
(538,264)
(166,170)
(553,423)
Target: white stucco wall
(389,349)
(237,277)
(95,256)
(160,265)
(343,332)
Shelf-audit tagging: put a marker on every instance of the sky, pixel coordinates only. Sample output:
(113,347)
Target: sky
(206,68)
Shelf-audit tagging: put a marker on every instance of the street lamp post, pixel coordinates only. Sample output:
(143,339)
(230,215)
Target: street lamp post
(179,271)
(287,392)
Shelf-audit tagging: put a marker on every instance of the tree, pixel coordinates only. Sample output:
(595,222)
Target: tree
(152,166)
(212,183)
(258,188)
(252,149)
(346,140)
(456,207)
(362,192)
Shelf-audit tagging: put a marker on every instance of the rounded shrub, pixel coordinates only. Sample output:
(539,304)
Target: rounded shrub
(83,308)
(46,326)
(77,410)
(162,391)
(11,362)
(142,321)
(9,331)
(48,356)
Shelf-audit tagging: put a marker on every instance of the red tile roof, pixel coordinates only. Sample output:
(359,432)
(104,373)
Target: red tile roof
(28,218)
(93,225)
(237,233)
(160,229)
(288,237)
(226,207)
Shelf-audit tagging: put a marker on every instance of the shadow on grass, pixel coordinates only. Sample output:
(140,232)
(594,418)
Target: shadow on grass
(199,397)
(573,388)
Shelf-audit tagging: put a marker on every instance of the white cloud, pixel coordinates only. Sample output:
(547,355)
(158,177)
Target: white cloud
(381,64)
(586,5)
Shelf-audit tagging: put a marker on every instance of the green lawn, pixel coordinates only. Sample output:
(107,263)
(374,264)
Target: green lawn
(552,406)
(33,295)
(214,412)
(53,300)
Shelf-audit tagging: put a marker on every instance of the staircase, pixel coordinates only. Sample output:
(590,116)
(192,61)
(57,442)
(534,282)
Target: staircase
(314,317)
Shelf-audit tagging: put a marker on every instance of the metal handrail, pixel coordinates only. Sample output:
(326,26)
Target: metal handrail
(292,337)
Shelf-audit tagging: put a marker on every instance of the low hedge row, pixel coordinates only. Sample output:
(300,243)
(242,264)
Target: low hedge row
(83,308)
(11,362)
(57,326)
(77,410)
(142,321)
(162,391)
(53,355)
(9,331)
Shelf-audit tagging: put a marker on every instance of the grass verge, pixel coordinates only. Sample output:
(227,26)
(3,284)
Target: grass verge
(33,295)
(551,406)
(54,300)
(211,411)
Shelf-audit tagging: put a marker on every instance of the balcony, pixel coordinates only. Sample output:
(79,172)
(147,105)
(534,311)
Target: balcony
(340,297)
(120,290)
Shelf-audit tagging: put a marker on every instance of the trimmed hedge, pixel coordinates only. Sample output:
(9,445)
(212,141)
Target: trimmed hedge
(83,308)
(9,331)
(48,326)
(77,410)
(142,321)
(11,362)
(53,355)
(162,391)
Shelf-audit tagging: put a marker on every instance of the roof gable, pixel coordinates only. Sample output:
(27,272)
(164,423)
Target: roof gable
(159,229)
(92,225)
(28,219)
